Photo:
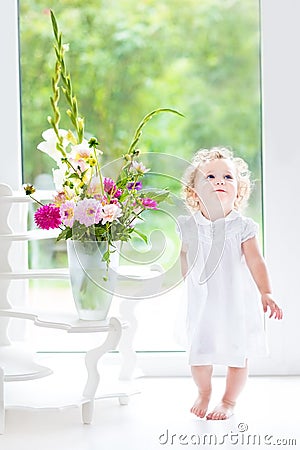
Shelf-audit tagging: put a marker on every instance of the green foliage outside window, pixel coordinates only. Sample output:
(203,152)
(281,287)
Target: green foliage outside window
(129,57)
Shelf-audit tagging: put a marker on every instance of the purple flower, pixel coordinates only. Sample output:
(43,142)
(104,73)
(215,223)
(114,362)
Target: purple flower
(149,203)
(137,186)
(47,216)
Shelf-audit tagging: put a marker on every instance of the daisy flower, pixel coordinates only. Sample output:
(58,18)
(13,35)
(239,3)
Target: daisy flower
(67,213)
(139,167)
(88,212)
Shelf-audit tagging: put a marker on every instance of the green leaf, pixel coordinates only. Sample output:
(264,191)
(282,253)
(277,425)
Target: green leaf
(141,235)
(54,24)
(65,234)
(74,175)
(106,255)
(158,196)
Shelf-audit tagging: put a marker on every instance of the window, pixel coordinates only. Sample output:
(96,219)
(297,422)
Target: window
(128,58)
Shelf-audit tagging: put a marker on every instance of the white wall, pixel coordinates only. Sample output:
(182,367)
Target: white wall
(10,166)
(281,142)
(10,147)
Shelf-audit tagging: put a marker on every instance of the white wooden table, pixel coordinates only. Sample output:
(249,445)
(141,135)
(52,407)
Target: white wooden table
(18,365)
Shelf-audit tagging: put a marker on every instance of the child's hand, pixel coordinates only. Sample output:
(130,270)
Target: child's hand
(267,301)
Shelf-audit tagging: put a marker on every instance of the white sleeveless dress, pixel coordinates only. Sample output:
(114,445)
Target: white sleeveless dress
(224,315)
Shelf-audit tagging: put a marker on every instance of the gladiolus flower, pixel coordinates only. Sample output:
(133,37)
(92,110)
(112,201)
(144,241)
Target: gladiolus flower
(81,151)
(49,144)
(47,216)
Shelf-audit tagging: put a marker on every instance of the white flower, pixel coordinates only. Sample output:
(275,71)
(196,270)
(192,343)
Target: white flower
(94,187)
(139,167)
(110,212)
(81,151)
(59,178)
(48,146)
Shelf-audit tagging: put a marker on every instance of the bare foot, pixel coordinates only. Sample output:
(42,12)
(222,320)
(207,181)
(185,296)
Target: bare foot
(199,408)
(222,412)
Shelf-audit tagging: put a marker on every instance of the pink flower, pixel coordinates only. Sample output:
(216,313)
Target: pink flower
(149,203)
(110,213)
(88,212)
(114,201)
(139,167)
(118,193)
(109,184)
(47,216)
(67,213)
(79,165)
(59,198)
(94,188)
(111,188)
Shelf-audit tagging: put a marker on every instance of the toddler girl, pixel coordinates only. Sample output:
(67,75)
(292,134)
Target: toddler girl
(224,270)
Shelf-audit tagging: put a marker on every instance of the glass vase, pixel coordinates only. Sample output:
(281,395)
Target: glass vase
(92,282)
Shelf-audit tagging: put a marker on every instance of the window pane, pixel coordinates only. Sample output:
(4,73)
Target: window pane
(128,58)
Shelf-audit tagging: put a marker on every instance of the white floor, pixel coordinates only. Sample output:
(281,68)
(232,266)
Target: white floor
(267,415)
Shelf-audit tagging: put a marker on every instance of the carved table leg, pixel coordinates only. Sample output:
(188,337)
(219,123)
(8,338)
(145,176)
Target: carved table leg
(2,410)
(127,352)
(91,361)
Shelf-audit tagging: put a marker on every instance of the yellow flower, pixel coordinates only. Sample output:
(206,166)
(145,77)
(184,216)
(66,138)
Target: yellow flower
(92,161)
(29,189)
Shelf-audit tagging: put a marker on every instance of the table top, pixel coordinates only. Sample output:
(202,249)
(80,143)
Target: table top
(63,321)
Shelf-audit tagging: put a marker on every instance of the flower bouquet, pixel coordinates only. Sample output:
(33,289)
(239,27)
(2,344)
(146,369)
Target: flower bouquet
(88,206)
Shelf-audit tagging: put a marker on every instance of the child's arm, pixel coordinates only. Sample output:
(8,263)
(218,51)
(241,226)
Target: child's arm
(258,269)
(183,263)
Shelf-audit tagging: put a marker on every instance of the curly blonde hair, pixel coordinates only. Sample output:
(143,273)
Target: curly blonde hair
(204,155)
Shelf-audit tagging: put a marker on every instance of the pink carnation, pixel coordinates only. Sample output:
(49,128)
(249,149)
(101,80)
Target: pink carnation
(47,216)
(149,203)
(110,213)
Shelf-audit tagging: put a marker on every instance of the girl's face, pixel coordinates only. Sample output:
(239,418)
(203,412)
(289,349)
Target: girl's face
(216,186)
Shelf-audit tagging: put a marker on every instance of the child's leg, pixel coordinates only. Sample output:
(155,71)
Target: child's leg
(202,378)
(235,382)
